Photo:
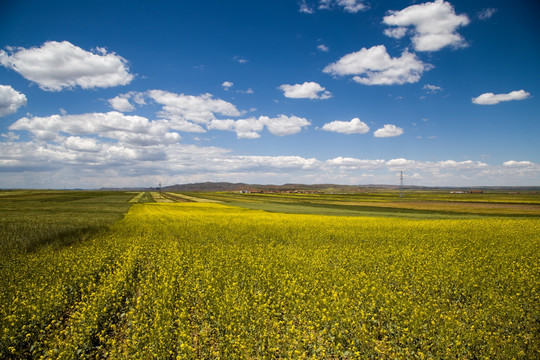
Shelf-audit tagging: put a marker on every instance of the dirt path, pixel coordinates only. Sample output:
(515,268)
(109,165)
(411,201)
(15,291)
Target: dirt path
(159,198)
(136,198)
(192,198)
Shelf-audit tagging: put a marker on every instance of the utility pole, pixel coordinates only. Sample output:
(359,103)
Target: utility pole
(160,189)
(401,184)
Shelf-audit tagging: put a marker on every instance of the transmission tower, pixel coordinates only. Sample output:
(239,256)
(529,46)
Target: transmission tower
(401,184)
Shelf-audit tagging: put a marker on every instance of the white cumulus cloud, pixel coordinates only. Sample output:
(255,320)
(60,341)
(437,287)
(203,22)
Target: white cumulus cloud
(121,103)
(250,128)
(197,114)
(355,126)
(374,66)
(513,163)
(85,144)
(396,33)
(307,90)
(124,102)
(58,65)
(434,25)
(492,99)
(323,48)
(10,136)
(388,131)
(200,109)
(128,129)
(284,125)
(227,85)
(10,100)
(245,128)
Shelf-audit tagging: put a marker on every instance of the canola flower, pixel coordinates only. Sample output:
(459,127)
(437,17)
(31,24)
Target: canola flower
(208,281)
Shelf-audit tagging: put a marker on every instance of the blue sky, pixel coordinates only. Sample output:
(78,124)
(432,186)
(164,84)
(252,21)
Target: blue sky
(134,93)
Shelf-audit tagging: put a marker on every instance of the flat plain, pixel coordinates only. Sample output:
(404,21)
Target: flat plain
(268,276)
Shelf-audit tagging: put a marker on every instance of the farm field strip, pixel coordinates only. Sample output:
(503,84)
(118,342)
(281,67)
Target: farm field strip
(137,198)
(160,198)
(194,198)
(462,207)
(204,281)
(32,219)
(420,204)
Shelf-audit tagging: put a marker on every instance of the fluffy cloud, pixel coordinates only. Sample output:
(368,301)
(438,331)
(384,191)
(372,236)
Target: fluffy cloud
(197,114)
(10,100)
(323,48)
(248,91)
(305,8)
(58,65)
(492,99)
(348,163)
(240,60)
(124,102)
(121,103)
(10,136)
(250,128)
(284,125)
(227,85)
(199,109)
(307,90)
(374,66)
(396,33)
(485,14)
(513,163)
(134,130)
(351,6)
(388,131)
(355,126)
(433,89)
(82,144)
(434,25)
(244,128)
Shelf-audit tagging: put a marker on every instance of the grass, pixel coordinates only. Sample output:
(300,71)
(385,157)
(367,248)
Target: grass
(32,219)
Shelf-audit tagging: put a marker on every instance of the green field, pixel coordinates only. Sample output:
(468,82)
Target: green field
(424,204)
(269,276)
(30,219)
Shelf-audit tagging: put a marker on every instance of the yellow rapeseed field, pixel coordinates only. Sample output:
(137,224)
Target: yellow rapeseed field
(209,281)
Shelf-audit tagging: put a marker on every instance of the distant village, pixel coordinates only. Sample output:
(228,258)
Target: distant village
(467,192)
(281,192)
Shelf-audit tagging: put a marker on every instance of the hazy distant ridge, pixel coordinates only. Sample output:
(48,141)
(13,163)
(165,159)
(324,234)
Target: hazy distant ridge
(227,186)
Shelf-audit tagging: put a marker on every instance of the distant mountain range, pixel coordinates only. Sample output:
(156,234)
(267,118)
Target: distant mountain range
(227,186)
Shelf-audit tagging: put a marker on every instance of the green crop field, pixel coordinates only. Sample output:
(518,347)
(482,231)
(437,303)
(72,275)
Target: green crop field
(269,276)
